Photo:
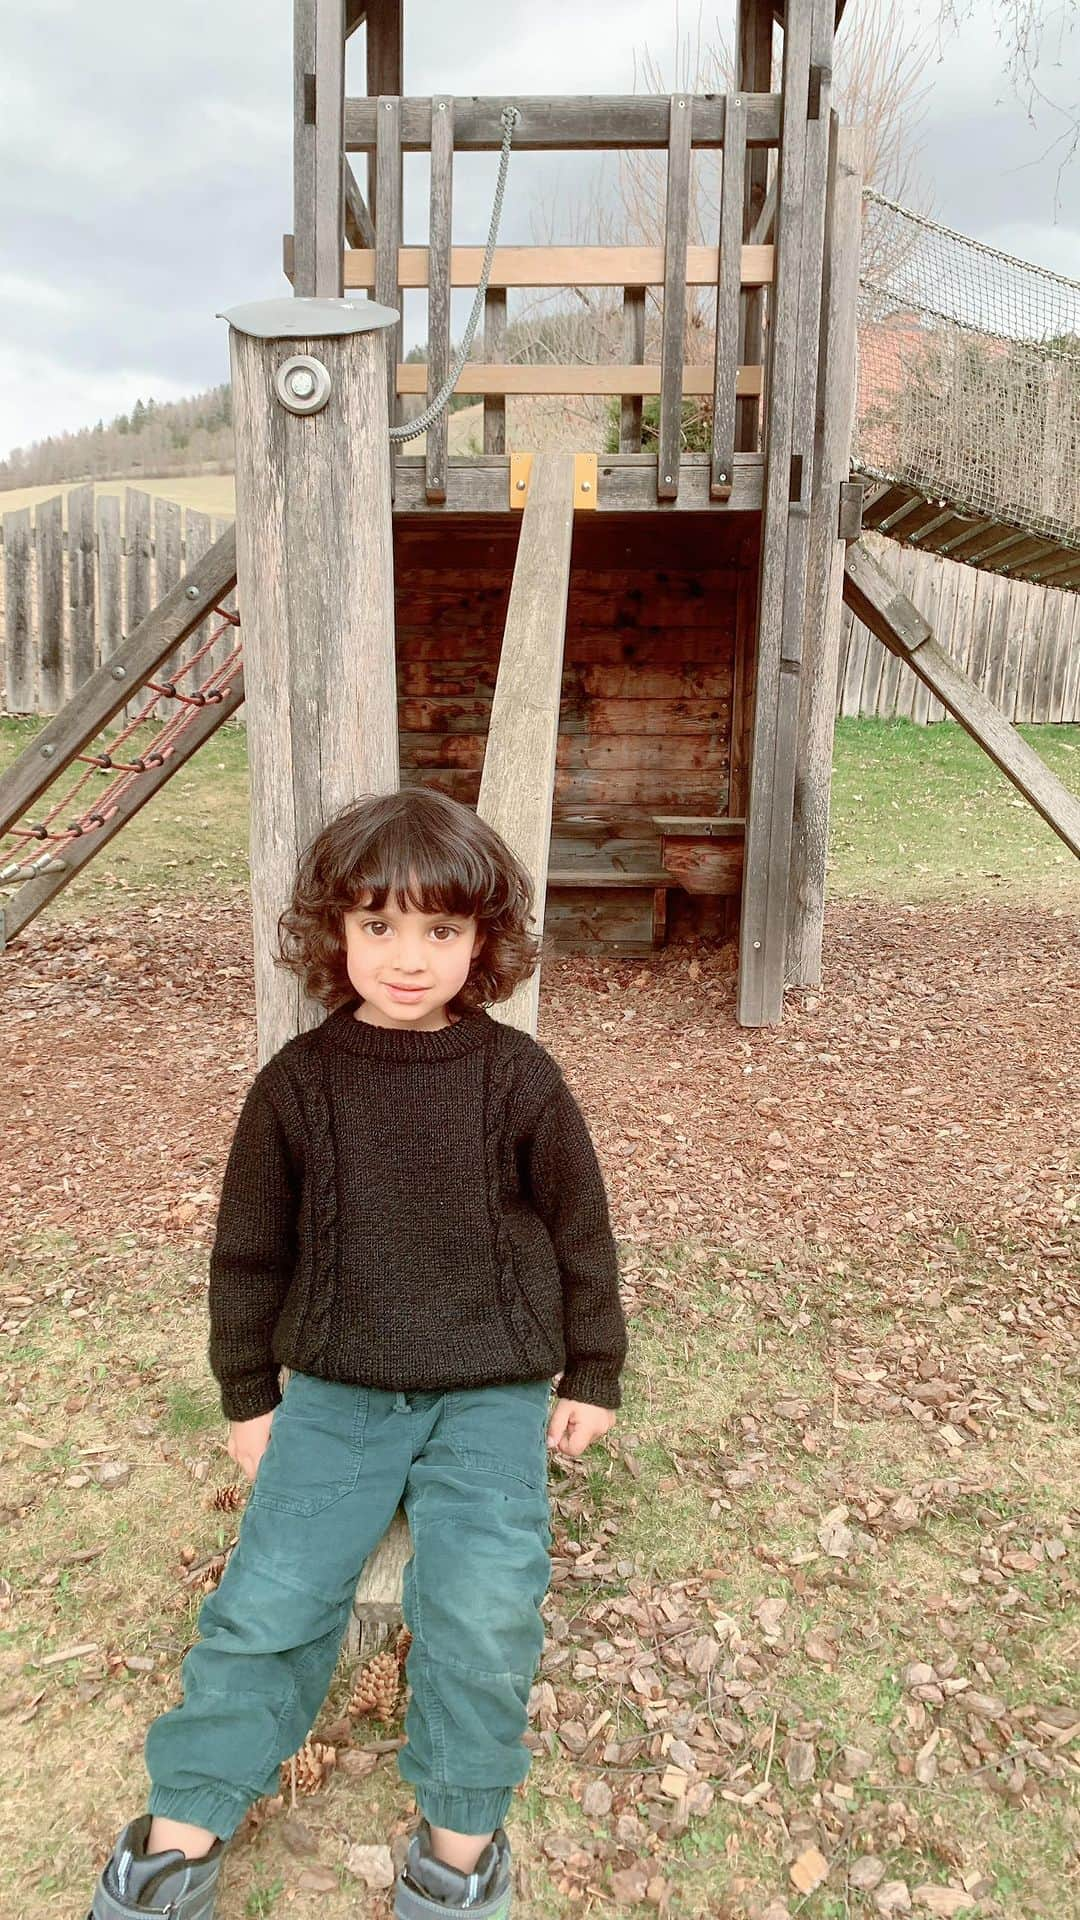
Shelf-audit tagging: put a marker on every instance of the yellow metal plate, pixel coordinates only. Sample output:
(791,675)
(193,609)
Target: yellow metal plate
(584,481)
(520,469)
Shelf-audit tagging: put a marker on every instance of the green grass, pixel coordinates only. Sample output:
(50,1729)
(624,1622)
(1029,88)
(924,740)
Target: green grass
(918,814)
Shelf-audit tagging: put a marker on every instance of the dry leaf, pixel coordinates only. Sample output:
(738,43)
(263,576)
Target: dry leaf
(800,1762)
(943,1900)
(373,1865)
(809,1871)
(867,1872)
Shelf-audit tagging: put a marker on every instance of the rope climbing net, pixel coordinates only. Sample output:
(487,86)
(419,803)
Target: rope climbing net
(136,755)
(969,374)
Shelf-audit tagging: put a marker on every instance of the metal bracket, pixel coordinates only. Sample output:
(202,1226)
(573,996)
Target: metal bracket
(585,480)
(849,519)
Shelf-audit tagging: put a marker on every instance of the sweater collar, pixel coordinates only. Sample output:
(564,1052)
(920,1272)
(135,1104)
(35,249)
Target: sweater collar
(404,1044)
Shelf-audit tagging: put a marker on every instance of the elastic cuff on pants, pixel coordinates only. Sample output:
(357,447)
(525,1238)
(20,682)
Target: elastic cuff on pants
(465,1809)
(199,1807)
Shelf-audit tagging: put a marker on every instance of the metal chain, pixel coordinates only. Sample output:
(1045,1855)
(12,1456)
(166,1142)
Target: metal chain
(412,428)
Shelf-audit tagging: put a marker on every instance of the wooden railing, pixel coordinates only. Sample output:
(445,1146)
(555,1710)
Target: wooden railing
(740,266)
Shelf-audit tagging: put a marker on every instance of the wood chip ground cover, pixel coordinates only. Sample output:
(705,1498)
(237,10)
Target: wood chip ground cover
(813,1625)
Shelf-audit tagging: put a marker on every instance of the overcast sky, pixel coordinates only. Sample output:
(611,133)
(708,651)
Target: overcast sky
(145,165)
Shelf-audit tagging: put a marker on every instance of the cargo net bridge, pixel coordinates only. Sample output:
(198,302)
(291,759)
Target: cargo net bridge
(968,406)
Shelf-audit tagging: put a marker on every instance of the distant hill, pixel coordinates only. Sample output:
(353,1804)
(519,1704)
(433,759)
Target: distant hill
(160,437)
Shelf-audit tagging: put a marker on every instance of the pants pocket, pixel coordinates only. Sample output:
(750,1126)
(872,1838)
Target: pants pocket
(501,1429)
(316,1447)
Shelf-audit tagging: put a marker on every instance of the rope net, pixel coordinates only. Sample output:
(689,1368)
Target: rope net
(969,374)
(146,740)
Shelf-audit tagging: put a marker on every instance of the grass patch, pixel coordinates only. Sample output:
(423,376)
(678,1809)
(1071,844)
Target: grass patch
(918,814)
(716,1389)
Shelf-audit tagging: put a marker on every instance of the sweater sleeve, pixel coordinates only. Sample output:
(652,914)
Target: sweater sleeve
(568,1190)
(252,1258)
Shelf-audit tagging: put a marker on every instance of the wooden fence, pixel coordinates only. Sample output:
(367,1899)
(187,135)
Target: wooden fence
(1019,642)
(70,595)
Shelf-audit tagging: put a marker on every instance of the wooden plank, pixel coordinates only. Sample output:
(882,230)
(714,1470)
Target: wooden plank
(439,227)
(49,543)
(1072,653)
(138,597)
(388,241)
(81,563)
(20,694)
(1058,666)
(359,225)
(168,528)
(1043,608)
(790,404)
(899,625)
(835,415)
(36,893)
(305,199)
(198,539)
(227,604)
(634,351)
(127,668)
(754,42)
(494,351)
(626,484)
(329,207)
(1018,636)
(518,782)
(673,332)
(516,377)
(110,576)
(727,302)
(576,123)
(565,266)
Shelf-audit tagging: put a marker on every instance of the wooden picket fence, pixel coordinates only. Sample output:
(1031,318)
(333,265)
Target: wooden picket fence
(1018,641)
(72,592)
(70,595)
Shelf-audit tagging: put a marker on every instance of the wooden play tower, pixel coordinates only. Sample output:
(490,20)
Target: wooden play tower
(626,661)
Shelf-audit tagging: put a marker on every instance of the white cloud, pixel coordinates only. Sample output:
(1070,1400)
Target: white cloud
(43,395)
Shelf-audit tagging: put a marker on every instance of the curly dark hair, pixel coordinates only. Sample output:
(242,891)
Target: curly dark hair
(378,845)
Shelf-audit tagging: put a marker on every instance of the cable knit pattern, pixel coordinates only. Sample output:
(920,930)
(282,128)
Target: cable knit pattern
(416,1210)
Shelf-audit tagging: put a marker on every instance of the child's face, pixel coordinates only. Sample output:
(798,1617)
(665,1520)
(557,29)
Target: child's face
(431,952)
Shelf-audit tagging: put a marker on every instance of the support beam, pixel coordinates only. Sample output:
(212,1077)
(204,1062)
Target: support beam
(322,719)
(879,603)
(517,786)
(791,403)
(754,45)
(516,792)
(318,147)
(824,587)
(385,74)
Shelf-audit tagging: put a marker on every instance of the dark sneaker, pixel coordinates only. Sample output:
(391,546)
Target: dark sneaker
(134,1883)
(429,1888)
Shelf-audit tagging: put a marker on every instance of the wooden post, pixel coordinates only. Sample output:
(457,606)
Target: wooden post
(317,612)
(21,692)
(825,579)
(754,43)
(785,521)
(318,147)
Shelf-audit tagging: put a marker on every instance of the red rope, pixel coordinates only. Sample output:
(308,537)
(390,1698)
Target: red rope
(210,693)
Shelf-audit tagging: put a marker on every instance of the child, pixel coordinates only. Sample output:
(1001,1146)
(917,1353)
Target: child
(412,1220)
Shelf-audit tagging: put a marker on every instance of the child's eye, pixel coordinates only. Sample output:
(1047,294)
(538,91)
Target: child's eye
(369,925)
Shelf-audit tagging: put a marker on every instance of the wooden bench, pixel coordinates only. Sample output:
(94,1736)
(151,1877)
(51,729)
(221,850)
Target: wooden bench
(702,852)
(630,923)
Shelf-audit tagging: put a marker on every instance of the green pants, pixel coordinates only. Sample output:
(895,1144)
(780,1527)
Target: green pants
(471,1467)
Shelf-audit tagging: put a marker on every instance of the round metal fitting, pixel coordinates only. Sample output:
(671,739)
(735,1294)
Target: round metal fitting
(302,384)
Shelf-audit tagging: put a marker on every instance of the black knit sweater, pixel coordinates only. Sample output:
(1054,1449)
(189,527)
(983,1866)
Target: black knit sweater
(413,1209)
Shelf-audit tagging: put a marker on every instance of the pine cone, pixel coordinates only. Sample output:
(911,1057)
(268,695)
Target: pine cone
(227,1499)
(213,1572)
(313,1764)
(376,1687)
(402,1645)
